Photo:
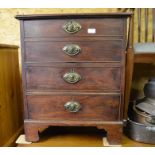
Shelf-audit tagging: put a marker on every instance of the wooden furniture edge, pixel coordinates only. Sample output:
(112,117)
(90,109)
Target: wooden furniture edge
(11,141)
(114,129)
(129,66)
(75,15)
(8,46)
(144,58)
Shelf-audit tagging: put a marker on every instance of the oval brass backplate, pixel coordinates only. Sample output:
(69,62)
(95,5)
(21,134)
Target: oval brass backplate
(72,49)
(72,106)
(72,27)
(72,77)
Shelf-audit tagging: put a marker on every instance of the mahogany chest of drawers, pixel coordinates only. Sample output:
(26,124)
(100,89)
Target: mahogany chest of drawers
(73,69)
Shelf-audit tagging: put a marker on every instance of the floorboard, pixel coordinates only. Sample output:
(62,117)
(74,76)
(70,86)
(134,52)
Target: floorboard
(76,137)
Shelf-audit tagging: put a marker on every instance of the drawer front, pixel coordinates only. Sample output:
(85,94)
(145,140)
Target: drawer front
(105,50)
(91,107)
(73,78)
(88,27)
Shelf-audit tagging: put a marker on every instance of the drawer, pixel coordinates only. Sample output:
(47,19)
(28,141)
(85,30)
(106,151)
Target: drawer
(74,107)
(73,76)
(96,50)
(88,27)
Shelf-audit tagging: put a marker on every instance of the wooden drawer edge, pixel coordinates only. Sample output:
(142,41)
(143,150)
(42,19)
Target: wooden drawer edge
(73,93)
(72,38)
(72,123)
(61,64)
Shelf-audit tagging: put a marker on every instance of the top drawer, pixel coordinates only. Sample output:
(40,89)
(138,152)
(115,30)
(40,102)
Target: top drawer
(74,27)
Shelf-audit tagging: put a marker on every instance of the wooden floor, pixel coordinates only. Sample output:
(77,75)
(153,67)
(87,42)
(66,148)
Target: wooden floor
(76,137)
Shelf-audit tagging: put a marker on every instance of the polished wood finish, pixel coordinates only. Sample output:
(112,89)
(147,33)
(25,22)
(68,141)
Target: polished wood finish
(114,129)
(114,133)
(101,65)
(36,28)
(129,66)
(144,58)
(74,16)
(91,50)
(11,120)
(93,107)
(128,79)
(92,78)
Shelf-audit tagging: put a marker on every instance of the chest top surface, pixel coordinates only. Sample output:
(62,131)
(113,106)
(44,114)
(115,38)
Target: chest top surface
(79,15)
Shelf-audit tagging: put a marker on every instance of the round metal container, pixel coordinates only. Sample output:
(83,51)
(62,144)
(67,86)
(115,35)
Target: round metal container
(142,117)
(140,132)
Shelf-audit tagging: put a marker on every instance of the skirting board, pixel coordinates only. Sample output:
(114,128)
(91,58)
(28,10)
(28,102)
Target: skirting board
(11,141)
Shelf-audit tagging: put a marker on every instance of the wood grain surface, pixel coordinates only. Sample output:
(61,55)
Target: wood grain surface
(11,112)
(92,78)
(93,107)
(91,50)
(101,65)
(48,28)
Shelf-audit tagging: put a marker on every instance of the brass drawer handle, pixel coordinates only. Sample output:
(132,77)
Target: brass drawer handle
(72,106)
(72,77)
(72,49)
(72,27)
